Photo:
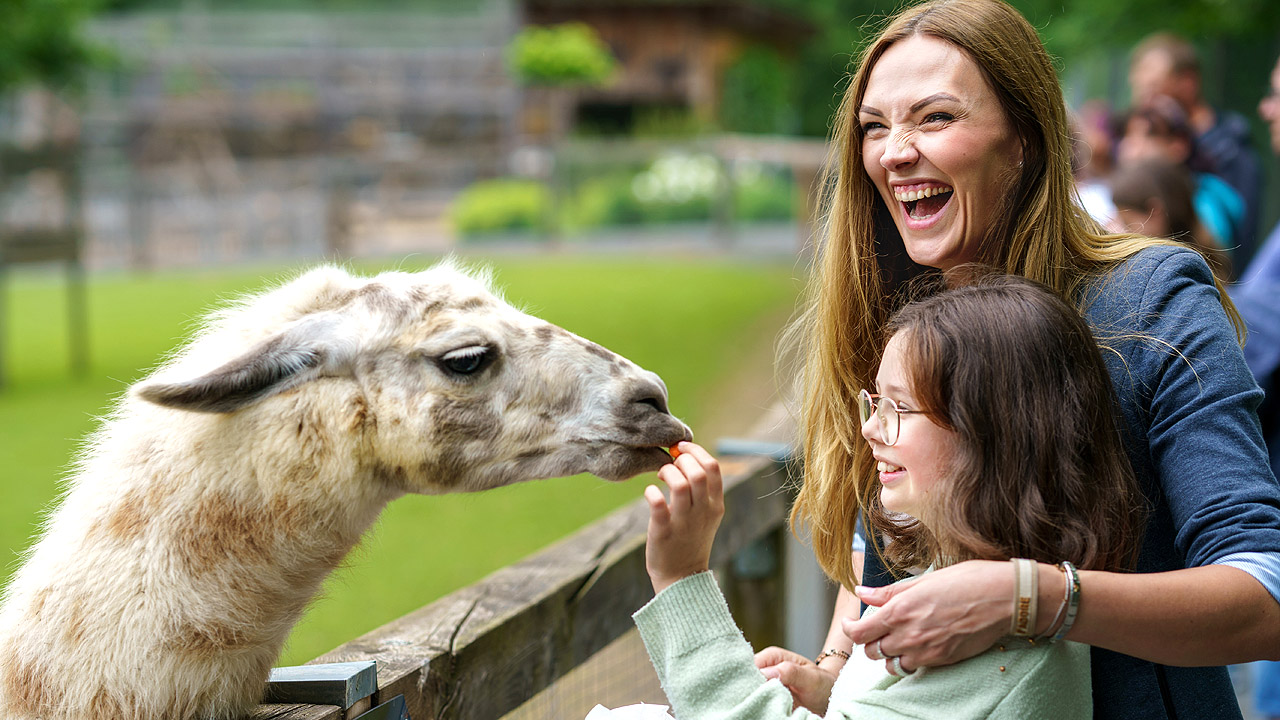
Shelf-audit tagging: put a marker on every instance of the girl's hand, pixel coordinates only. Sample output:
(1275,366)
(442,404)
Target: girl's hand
(940,618)
(681,530)
(810,684)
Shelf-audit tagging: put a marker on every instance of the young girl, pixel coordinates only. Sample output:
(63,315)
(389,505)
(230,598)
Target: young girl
(993,427)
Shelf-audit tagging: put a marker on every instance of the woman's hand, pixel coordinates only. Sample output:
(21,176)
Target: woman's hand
(681,530)
(810,684)
(939,618)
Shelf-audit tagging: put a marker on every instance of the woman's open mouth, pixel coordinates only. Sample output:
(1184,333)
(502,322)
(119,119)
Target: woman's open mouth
(923,204)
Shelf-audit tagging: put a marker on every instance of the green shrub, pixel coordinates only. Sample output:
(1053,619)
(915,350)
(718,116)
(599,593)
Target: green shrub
(566,54)
(677,187)
(503,205)
(760,193)
(756,94)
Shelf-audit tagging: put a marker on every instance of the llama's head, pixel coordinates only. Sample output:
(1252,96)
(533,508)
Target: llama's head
(447,387)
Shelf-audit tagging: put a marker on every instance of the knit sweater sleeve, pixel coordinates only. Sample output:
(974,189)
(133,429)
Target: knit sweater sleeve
(705,665)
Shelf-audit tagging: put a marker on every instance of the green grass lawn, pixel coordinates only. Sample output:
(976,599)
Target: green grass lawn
(686,320)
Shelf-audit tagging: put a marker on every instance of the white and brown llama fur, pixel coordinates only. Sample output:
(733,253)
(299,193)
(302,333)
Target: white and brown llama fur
(206,511)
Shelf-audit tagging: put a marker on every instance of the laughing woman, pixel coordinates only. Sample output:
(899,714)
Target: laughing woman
(953,146)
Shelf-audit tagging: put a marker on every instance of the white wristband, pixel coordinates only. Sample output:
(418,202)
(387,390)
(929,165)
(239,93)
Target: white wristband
(1025,597)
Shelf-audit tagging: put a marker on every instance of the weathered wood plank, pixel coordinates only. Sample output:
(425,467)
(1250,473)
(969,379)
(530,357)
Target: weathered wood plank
(487,648)
(296,712)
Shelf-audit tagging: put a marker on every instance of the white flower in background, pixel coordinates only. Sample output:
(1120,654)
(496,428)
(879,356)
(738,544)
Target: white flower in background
(677,178)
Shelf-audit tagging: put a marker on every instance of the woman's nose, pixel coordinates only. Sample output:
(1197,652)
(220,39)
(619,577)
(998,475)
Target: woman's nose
(899,151)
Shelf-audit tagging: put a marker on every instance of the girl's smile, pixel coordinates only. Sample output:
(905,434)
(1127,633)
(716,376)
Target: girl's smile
(923,452)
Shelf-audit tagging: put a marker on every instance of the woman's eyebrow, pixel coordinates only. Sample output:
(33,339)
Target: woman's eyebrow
(936,97)
(932,99)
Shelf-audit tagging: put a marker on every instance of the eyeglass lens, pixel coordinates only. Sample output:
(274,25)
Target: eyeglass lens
(886,415)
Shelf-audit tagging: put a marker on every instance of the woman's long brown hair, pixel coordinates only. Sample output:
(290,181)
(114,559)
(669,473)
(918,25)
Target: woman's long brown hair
(862,264)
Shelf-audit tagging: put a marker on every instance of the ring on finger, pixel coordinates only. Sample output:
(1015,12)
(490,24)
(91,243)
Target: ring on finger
(898,669)
(880,653)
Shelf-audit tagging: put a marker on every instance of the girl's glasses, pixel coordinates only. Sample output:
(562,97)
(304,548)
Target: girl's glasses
(887,412)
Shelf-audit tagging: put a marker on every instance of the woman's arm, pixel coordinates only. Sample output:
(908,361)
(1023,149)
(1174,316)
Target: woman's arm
(1211,615)
(1215,615)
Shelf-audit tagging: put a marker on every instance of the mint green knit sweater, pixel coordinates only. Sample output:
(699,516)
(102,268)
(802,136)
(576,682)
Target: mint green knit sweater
(707,670)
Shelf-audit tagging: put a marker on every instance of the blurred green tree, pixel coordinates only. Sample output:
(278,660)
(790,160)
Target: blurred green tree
(756,93)
(1228,30)
(43,42)
(568,54)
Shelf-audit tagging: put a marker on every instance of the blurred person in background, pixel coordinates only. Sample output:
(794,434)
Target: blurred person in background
(1258,299)
(1093,159)
(1161,130)
(1153,197)
(1168,65)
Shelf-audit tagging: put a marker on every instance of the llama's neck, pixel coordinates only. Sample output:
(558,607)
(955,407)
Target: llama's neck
(194,541)
(227,528)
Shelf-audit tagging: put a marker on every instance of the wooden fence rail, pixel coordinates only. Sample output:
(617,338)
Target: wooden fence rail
(484,650)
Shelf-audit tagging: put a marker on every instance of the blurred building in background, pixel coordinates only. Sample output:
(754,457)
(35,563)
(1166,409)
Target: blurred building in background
(672,56)
(226,134)
(222,136)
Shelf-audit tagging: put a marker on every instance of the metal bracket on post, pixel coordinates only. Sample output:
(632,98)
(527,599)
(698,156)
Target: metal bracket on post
(349,685)
(393,709)
(776,451)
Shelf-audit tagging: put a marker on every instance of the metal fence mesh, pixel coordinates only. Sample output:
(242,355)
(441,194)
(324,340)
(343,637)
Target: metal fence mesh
(620,674)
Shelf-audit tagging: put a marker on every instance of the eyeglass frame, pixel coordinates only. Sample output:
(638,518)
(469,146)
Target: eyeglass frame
(867,398)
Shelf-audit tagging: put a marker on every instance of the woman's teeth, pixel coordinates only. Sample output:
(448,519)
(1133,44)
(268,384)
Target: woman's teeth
(883,466)
(913,195)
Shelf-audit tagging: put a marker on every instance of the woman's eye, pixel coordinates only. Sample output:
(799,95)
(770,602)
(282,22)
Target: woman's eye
(872,126)
(939,117)
(468,360)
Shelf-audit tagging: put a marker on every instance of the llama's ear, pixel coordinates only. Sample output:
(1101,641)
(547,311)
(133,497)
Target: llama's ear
(311,348)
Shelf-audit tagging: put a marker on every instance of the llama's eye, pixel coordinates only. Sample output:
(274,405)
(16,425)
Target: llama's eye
(467,360)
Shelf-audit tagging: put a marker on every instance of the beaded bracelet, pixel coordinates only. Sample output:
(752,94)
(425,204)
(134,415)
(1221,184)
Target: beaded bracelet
(1054,624)
(1025,597)
(828,653)
(1073,603)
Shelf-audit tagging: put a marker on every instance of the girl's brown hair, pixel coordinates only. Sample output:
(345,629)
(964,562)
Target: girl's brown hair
(1041,471)
(1042,234)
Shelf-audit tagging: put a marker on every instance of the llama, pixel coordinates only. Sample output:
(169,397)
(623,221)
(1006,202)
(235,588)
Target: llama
(205,512)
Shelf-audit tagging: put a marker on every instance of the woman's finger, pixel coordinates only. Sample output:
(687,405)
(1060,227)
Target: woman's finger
(866,630)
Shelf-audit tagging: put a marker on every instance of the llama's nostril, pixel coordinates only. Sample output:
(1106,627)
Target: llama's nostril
(656,402)
(648,390)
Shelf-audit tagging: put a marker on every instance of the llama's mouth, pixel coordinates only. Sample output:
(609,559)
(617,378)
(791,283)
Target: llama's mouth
(624,461)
